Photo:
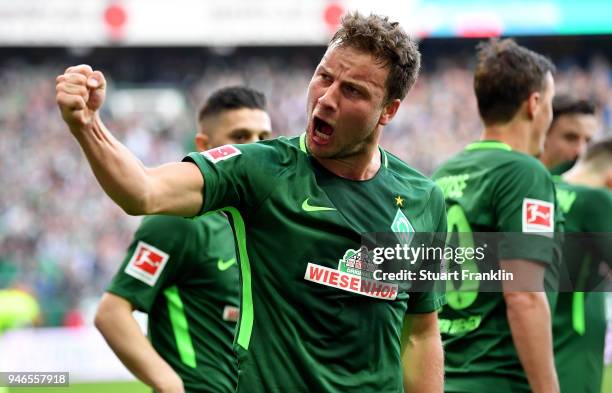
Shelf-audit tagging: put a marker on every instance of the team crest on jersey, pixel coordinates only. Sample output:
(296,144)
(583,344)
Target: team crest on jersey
(147,263)
(538,216)
(402,227)
(354,274)
(221,153)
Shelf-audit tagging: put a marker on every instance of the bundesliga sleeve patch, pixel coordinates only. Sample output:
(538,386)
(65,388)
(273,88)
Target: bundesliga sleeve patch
(147,263)
(231,313)
(221,153)
(538,216)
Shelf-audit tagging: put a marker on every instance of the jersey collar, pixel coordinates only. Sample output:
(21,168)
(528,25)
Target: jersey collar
(488,144)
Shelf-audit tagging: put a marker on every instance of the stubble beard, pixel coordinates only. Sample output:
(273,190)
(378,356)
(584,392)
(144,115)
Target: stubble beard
(349,150)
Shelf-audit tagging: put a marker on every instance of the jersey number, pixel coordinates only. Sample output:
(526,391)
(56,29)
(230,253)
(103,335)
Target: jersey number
(462,294)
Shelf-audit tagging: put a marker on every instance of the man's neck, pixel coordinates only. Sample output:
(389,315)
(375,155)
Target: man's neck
(515,134)
(363,166)
(582,176)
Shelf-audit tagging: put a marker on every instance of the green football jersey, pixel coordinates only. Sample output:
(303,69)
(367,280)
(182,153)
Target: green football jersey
(491,188)
(562,168)
(184,274)
(309,322)
(579,323)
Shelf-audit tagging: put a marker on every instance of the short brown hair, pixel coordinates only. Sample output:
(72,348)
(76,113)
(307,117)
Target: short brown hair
(599,155)
(506,74)
(388,43)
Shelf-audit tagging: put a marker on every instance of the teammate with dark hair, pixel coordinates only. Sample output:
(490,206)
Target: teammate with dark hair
(183,274)
(573,126)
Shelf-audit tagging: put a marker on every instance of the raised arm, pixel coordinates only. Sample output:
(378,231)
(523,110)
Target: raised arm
(174,188)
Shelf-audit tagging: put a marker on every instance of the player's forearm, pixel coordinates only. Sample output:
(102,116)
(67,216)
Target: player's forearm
(529,319)
(422,354)
(125,338)
(122,176)
(424,366)
(174,188)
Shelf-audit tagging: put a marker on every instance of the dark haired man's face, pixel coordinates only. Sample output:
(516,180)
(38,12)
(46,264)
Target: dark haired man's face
(244,125)
(346,103)
(568,138)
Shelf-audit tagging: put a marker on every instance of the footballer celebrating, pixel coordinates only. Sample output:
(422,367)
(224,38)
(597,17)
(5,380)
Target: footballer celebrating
(298,208)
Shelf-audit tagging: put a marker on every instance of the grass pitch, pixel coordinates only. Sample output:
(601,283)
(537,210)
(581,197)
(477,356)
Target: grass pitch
(137,387)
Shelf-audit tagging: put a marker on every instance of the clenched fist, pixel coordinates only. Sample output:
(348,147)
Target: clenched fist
(80,92)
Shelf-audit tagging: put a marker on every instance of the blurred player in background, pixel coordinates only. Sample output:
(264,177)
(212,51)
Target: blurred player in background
(573,126)
(579,322)
(298,208)
(502,342)
(183,273)
(18,308)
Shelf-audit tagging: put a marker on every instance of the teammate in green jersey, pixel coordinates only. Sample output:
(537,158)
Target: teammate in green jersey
(183,273)
(18,308)
(573,126)
(298,208)
(502,341)
(579,322)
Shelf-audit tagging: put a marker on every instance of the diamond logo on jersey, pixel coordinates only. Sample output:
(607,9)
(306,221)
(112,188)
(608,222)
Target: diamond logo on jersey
(147,263)
(354,274)
(221,153)
(538,216)
(402,227)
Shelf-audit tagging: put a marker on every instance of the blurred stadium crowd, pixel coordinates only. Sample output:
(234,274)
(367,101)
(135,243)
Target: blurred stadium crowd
(62,237)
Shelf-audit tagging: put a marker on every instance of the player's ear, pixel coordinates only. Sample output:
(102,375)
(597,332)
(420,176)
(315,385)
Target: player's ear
(534,102)
(608,179)
(389,111)
(202,142)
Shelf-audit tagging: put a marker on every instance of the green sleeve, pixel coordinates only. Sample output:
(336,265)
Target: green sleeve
(521,186)
(425,302)
(600,223)
(241,176)
(600,201)
(157,258)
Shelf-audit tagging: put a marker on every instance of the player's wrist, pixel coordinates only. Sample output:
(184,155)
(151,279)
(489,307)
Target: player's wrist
(168,383)
(550,385)
(85,126)
(80,130)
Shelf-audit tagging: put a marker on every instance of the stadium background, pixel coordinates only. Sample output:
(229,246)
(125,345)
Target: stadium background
(61,238)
